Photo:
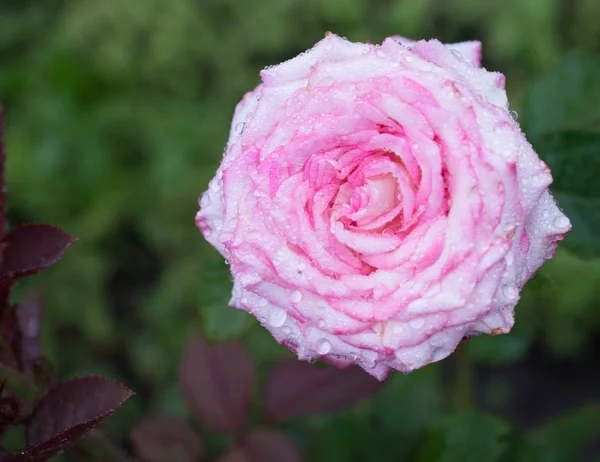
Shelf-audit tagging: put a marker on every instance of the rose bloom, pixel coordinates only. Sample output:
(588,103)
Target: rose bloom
(378,203)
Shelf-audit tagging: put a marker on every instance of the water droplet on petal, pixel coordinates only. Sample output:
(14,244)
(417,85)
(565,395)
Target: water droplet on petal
(457,54)
(323,347)
(286,330)
(514,115)
(561,222)
(276,316)
(321,323)
(263,302)
(417,323)
(510,291)
(296,296)
(541,178)
(239,128)
(439,339)
(398,329)
(496,97)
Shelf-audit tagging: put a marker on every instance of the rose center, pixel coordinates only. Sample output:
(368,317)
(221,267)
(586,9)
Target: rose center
(376,196)
(374,203)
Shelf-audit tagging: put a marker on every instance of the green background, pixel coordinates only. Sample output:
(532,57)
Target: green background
(117,115)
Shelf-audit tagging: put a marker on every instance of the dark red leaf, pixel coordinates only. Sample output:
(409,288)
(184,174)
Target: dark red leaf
(2,184)
(294,389)
(9,335)
(166,438)
(32,247)
(264,445)
(70,410)
(29,315)
(5,456)
(43,372)
(217,382)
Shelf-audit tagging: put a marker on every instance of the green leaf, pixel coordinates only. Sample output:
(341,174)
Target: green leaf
(584,213)
(387,427)
(466,437)
(219,321)
(564,439)
(521,449)
(501,349)
(565,98)
(574,157)
(562,121)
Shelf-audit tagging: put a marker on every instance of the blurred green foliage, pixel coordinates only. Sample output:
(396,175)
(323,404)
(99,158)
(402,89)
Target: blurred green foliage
(118,113)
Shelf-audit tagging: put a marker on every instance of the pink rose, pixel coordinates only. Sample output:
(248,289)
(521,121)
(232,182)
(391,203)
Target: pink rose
(378,203)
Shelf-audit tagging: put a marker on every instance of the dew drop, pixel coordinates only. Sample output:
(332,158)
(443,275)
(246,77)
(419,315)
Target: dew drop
(321,323)
(438,354)
(457,54)
(496,97)
(296,296)
(353,356)
(239,128)
(276,317)
(263,302)
(561,222)
(514,115)
(417,323)
(540,178)
(439,339)
(323,347)
(398,329)
(510,291)
(286,330)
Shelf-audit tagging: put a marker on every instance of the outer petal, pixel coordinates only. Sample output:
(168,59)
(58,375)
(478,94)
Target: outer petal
(470,51)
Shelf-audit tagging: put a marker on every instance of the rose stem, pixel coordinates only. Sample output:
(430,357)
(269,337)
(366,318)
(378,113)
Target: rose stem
(463,378)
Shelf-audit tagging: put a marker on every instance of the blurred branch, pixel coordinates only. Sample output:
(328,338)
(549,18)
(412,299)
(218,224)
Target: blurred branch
(20,384)
(101,449)
(463,378)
